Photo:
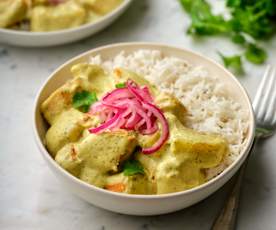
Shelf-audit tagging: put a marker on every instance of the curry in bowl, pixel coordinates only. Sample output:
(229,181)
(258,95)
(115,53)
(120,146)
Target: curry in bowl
(117,129)
(52,15)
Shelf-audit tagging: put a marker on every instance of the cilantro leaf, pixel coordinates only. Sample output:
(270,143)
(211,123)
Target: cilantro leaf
(120,85)
(132,167)
(233,62)
(249,20)
(252,21)
(233,3)
(83,100)
(203,22)
(255,54)
(238,39)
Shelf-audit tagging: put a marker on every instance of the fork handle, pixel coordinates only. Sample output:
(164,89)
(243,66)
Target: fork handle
(228,215)
(226,219)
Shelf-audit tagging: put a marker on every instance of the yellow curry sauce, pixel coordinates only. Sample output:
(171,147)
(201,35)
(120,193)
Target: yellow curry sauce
(98,159)
(51,15)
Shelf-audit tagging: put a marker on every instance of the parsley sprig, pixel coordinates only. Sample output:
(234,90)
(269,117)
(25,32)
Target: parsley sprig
(251,21)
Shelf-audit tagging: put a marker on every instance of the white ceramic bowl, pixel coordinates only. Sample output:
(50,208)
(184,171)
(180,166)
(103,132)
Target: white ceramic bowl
(141,204)
(43,39)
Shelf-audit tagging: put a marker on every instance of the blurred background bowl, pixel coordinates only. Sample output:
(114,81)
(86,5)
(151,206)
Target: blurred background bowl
(59,37)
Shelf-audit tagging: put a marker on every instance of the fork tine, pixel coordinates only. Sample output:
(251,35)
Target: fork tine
(274,121)
(271,109)
(264,96)
(258,96)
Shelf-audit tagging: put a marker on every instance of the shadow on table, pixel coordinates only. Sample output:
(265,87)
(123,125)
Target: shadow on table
(256,187)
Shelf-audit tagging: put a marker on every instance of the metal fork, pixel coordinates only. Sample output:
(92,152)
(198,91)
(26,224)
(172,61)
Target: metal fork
(264,106)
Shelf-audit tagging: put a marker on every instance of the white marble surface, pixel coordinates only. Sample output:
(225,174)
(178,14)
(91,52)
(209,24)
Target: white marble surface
(32,198)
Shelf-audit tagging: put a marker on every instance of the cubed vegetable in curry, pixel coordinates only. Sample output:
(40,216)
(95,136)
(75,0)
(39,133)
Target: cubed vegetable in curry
(12,12)
(100,158)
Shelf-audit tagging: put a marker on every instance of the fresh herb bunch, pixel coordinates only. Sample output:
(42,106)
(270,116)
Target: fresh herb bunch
(251,21)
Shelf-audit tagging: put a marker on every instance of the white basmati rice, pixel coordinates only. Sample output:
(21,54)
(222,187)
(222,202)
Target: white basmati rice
(209,108)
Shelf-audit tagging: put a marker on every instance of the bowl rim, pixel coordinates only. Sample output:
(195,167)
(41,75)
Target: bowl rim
(148,45)
(85,26)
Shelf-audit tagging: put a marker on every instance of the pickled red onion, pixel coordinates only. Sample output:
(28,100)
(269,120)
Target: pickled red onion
(165,126)
(131,108)
(105,125)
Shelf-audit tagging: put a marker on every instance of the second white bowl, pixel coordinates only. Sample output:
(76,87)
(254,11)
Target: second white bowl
(43,39)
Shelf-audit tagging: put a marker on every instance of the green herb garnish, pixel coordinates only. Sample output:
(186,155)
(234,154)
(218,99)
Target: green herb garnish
(83,100)
(120,85)
(203,22)
(132,167)
(251,20)
(238,39)
(233,62)
(255,54)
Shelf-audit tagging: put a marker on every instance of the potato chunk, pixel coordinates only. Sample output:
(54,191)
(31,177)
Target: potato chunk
(12,11)
(68,159)
(107,150)
(96,78)
(122,75)
(51,18)
(95,156)
(100,6)
(205,150)
(169,103)
(180,164)
(67,128)
(92,16)
(93,176)
(86,77)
